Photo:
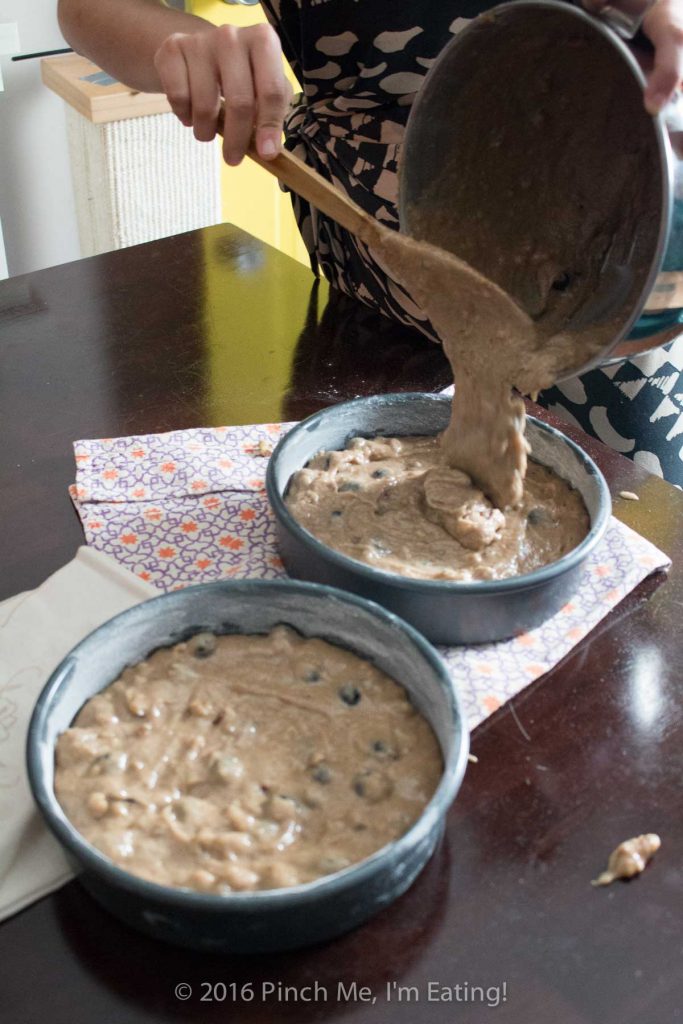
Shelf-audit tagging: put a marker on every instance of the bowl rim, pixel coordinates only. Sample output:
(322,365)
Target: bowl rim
(375,576)
(101,865)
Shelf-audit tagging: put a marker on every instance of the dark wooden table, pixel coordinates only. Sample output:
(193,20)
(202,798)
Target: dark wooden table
(212,327)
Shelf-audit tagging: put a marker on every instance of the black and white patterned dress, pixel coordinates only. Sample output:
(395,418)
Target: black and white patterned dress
(361,63)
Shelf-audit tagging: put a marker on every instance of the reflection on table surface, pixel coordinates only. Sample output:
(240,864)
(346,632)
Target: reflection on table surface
(213,328)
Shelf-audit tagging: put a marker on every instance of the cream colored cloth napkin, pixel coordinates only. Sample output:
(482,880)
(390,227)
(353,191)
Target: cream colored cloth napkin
(37,629)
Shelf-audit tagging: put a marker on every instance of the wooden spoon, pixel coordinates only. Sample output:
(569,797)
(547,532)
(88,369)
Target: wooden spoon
(444,287)
(322,194)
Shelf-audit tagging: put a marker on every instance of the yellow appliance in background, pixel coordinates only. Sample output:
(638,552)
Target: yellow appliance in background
(251,198)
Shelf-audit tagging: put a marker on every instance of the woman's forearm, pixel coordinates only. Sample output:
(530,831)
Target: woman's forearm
(155,48)
(122,36)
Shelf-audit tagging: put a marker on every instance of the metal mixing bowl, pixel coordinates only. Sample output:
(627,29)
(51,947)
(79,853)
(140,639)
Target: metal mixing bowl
(267,920)
(494,122)
(446,612)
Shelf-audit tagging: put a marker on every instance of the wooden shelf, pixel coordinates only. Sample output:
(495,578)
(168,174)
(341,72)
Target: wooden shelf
(98,103)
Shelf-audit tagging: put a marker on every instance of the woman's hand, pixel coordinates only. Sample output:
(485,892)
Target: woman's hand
(663,25)
(242,65)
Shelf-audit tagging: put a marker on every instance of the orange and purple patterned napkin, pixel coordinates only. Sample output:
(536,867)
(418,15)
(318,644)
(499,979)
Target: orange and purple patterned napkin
(189,506)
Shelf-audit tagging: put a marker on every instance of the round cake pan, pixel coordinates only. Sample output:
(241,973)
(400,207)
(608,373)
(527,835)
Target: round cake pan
(447,612)
(264,920)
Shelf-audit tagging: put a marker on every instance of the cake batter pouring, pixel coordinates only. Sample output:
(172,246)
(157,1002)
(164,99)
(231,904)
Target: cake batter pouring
(493,347)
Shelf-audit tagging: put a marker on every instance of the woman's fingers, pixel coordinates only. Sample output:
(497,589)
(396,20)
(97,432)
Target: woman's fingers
(237,86)
(184,65)
(170,65)
(663,24)
(273,91)
(204,87)
(244,65)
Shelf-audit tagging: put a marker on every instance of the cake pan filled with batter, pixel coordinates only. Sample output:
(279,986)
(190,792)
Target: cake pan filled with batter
(248,766)
(470,606)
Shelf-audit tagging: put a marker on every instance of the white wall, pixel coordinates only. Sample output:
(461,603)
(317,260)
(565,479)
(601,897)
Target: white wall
(3,256)
(37,207)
